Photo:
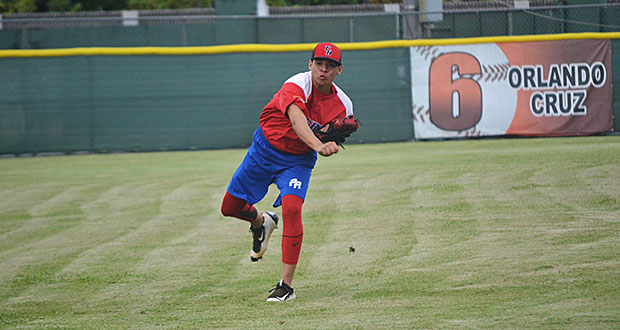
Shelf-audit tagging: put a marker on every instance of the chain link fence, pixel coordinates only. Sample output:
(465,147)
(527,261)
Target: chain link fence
(514,21)
(352,23)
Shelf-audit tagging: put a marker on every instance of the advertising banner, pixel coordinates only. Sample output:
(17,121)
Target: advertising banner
(544,88)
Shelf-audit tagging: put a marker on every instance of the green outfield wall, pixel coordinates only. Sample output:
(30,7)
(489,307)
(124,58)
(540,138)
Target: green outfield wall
(159,99)
(153,102)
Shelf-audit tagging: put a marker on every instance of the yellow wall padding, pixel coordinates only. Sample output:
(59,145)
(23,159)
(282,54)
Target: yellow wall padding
(274,48)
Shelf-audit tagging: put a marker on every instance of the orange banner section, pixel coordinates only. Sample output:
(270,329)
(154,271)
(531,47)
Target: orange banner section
(564,87)
(541,88)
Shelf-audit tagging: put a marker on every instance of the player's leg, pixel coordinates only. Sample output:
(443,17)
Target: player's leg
(293,184)
(249,185)
(262,223)
(292,237)
(240,209)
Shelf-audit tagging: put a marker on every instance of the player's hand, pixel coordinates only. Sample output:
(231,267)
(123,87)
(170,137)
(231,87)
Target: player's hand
(327,149)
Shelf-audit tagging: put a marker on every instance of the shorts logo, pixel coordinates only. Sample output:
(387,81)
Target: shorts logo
(328,50)
(296,184)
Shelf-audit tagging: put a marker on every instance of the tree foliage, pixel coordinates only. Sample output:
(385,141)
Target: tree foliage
(324,2)
(29,6)
(167,4)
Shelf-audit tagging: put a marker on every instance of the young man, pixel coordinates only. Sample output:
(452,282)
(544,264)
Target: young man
(284,152)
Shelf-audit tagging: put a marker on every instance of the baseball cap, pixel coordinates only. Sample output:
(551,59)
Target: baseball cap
(328,51)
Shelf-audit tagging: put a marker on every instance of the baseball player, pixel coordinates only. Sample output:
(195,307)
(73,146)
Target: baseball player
(284,151)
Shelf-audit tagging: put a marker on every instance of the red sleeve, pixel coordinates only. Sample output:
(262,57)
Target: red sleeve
(291,93)
(275,123)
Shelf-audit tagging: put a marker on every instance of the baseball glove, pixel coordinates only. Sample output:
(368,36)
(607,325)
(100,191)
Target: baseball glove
(336,130)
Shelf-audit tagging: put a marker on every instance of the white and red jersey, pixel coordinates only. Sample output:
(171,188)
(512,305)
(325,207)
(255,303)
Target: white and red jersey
(317,106)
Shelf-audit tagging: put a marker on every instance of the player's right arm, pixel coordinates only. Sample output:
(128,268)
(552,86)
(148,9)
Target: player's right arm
(303,131)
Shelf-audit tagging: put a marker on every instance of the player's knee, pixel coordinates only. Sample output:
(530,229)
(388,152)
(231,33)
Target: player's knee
(226,210)
(291,206)
(291,212)
(292,215)
(230,206)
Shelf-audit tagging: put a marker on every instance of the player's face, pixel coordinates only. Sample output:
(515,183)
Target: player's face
(323,73)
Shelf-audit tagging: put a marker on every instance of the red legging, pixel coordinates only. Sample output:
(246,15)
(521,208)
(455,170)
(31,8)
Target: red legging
(238,208)
(293,231)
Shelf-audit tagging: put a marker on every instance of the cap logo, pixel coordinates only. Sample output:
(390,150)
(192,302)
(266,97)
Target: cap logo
(328,50)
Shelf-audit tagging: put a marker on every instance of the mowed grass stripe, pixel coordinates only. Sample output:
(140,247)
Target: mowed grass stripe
(455,215)
(109,240)
(512,233)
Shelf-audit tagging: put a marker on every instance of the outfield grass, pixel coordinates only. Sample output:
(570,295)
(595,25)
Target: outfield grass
(509,233)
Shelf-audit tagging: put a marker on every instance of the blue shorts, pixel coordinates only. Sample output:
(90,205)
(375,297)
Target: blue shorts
(264,165)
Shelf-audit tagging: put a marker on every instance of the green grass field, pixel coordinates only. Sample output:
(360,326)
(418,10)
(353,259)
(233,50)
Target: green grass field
(507,233)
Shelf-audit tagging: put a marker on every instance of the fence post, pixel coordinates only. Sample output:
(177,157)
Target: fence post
(518,4)
(25,43)
(394,8)
(351,29)
(411,21)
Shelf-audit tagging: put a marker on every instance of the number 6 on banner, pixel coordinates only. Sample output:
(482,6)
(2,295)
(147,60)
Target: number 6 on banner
(455,99)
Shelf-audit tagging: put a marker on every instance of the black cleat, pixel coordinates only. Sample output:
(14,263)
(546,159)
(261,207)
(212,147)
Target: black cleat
(281,292)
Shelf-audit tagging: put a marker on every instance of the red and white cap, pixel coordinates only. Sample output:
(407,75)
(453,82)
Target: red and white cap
(328,51)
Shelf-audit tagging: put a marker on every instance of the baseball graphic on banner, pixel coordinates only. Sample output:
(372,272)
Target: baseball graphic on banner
(461,91)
